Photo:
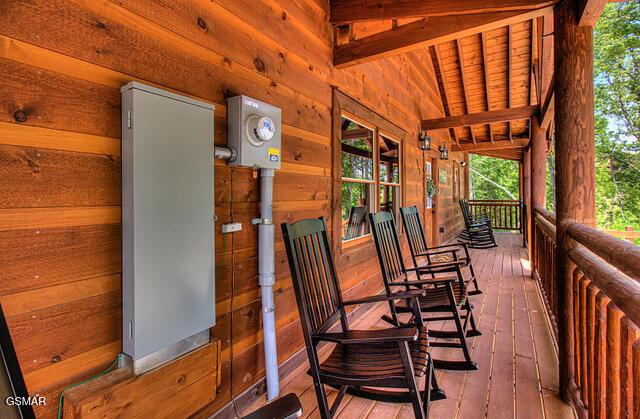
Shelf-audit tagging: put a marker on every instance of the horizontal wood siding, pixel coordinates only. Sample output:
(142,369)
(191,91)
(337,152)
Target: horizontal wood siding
(63,63)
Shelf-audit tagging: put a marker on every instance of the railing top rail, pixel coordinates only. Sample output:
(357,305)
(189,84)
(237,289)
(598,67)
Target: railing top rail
(548,215)
(621,254)
(498,201)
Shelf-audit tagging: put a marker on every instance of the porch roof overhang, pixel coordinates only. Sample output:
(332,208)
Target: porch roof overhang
(492,59)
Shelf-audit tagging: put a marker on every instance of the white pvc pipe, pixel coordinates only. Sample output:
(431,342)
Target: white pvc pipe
(266,270)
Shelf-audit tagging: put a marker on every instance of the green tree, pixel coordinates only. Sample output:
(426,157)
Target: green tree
(493,178)
(617,115)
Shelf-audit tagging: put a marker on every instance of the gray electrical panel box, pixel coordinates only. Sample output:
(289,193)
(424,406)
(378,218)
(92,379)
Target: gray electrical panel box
(254,130)
(167,222)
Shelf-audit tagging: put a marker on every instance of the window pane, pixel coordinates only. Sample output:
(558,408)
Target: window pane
(357,151)
(389,160)
(390,200)
(356,205)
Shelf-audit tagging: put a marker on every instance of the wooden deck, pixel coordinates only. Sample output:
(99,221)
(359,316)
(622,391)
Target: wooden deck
(517,375)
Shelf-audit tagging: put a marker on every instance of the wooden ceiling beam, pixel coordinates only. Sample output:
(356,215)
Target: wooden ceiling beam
(589,11)
(348,11)
(425,32)
(487,146)
(502,115)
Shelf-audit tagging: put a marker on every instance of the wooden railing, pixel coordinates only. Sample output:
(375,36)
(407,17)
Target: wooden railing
(504,214)
(604,337)
(544,261)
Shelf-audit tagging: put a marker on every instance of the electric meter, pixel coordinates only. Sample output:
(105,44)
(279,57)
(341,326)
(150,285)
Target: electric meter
(254,131)
(260,129)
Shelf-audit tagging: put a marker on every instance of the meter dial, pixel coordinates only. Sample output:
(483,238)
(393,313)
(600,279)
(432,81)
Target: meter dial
(260,129)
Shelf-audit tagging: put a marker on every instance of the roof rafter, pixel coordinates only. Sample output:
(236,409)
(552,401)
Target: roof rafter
(348,11)
(502,115)
(485,69)
(465,90)
(425,32)
(487,146)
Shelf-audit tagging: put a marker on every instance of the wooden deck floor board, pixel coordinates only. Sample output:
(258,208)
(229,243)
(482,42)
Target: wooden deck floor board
(517,375)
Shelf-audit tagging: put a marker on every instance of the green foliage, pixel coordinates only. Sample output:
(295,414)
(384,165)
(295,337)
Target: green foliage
(493,178)
(617,115)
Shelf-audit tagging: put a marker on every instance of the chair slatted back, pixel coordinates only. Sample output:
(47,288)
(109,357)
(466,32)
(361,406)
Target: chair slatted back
(464,207)
(415,233)
(357,217)
(314,275)
(385,237)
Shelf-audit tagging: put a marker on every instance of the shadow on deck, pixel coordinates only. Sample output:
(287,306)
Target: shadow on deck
(517,375)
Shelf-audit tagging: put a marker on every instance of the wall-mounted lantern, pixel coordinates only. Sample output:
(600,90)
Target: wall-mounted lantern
(424,140)
(444,153)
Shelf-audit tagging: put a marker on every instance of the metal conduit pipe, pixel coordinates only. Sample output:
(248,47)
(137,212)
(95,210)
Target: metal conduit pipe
(224,153)
(266,271)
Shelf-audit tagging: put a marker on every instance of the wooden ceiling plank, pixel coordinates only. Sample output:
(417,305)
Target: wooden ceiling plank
(502,115)
(343,12)
(424,32)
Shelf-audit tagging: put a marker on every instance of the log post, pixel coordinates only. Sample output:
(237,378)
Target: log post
(575,163)
(538,177)
(527,214)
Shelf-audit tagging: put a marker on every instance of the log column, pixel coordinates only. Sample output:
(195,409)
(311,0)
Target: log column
(538,180)
(575,162)
(526,187)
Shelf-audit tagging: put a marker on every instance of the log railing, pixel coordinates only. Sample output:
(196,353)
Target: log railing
(504,214)
(605,308)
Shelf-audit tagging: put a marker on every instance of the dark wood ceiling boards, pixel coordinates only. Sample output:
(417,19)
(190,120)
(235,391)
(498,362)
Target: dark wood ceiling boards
(485,66)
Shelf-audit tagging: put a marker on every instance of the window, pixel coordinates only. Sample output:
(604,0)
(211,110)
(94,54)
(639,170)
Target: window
(358,178)
(370,169)
(389,176)
(367,170)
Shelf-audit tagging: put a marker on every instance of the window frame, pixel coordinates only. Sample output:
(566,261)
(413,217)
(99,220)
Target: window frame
(343,105)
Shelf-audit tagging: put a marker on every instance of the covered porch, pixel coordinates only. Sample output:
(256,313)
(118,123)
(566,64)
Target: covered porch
(516,354)
(376,106)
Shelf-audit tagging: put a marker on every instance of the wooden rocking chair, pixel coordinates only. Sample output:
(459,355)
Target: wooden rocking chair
(442,294)
(446,254)
(364,363)
(478,233)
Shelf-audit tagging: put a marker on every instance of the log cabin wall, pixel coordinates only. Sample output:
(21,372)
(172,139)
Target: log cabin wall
(62,64)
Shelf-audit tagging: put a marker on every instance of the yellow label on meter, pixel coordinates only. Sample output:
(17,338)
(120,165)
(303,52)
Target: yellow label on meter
(274,154)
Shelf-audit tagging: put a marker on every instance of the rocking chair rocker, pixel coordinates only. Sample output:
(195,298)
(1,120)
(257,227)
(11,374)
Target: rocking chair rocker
(364,363)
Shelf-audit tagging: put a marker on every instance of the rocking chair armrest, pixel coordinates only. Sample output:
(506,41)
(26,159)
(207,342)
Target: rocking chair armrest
(398,334)
(434,266)
(439,252)
(401,295)
(430,281)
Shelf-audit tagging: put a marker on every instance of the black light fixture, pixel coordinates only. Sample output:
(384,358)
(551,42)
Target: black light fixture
(424,140)
(444,153)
